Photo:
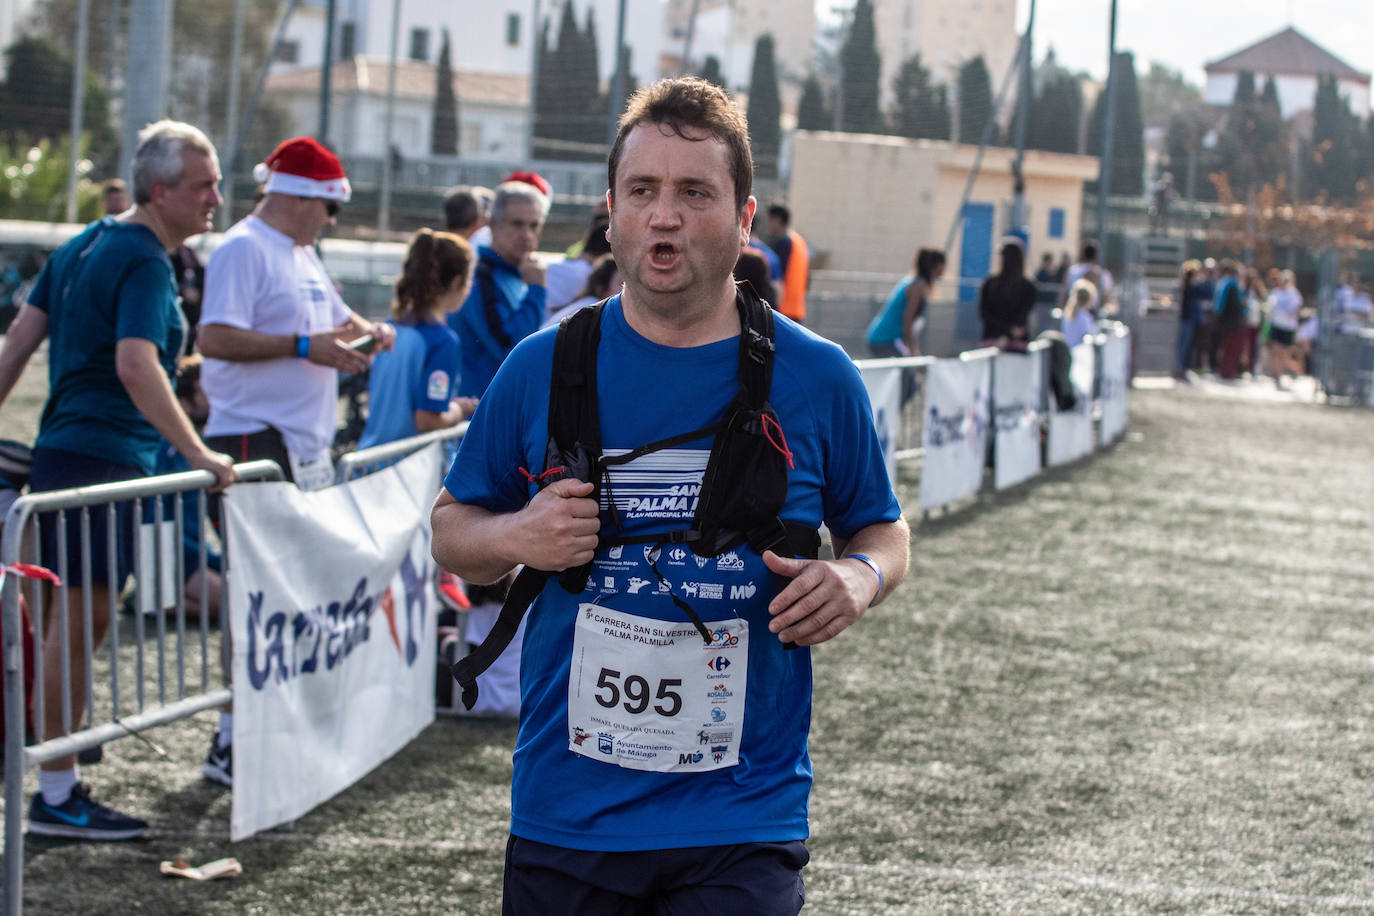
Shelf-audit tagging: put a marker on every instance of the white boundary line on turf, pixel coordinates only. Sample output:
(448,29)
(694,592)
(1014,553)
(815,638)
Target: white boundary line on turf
(1093,881)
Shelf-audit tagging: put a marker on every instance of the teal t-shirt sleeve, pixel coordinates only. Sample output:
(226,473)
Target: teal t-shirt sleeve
(437,381)
(857,491)
(142,304)
(42,288)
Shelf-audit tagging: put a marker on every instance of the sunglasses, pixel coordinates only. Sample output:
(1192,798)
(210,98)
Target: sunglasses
(332,207)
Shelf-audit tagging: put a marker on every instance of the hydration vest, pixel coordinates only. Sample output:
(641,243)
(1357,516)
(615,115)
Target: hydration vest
(743,488)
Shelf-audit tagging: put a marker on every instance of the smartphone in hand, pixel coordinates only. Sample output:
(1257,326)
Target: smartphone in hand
(365,344)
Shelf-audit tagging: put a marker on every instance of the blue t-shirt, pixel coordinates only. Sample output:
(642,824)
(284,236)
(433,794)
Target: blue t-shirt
(886,326)
(113,280)
(648,392)
(519,309)
(417,374)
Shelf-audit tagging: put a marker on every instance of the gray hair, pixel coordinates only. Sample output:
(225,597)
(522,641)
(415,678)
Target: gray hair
(158,157)
(517,190)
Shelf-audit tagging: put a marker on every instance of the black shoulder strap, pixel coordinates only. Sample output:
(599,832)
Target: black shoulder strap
(755,346)
(574,450)
(491,303)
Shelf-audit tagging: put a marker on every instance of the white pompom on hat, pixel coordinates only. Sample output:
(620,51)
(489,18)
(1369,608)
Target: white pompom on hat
(306,168)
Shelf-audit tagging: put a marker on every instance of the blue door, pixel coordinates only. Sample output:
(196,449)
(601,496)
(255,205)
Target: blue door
(975,261)
(975,250)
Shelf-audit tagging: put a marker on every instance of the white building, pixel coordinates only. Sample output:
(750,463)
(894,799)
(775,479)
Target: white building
(946,35)
(486,36)
(729,29)
(1296,63)
(493,108)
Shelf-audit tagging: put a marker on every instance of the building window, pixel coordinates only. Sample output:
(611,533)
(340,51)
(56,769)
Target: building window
(348,40)
(288,52)
(1056,222)
(419,44)
(513,29)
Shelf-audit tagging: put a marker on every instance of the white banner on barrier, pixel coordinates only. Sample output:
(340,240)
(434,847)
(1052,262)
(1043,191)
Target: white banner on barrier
(334,633)
(954,431)
(1071,431)
(1115,380)
(885,394)
(1016,386)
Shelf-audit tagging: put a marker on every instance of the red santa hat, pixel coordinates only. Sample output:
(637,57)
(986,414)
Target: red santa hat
(534,180)
(304,167)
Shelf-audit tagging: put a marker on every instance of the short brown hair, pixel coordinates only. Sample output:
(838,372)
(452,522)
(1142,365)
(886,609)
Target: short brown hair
(688,102)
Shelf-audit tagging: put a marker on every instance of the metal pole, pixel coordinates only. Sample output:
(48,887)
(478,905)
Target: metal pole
(231,118)
(78,103)
(384,206)
(535,34)
(1104,174)
(252,108)
(617,94)
(331,9)
(687,39)
(1023,96)
(145,87)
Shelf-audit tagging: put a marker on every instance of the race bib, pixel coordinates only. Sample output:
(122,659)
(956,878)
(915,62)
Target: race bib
(312,472)
(650,695)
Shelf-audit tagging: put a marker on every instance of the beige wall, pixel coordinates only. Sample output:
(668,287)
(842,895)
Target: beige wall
(866,203)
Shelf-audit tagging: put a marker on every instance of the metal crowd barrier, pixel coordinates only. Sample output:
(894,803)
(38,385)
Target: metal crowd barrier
(20,544)
(365,461)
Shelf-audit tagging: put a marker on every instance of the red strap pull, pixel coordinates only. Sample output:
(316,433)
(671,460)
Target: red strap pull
(781,446)
(536,479)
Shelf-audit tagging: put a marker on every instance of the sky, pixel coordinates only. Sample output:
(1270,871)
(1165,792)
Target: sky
(1186,34)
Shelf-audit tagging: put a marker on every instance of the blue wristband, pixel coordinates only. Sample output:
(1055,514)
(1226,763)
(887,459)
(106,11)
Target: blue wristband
(877,571)
(303,346)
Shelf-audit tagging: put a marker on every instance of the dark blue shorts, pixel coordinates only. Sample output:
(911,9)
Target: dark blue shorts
(58,469)
(761,879)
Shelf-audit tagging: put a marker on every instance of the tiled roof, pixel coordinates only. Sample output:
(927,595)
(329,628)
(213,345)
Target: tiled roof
(413,78)
(1287,52)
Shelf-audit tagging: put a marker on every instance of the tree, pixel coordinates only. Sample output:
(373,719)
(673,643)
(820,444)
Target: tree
(570,109)
(765,109)
(1332,159)
(812,112)
(1164,93)
(1253,147)
(1128,150)
(938,123)
(1056,114)
(711,72)
(859,69)
(975,100)
(36,98)
(444,141)
(916,109)
(198,82)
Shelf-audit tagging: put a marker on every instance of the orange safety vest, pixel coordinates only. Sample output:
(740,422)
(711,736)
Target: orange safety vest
(794,279)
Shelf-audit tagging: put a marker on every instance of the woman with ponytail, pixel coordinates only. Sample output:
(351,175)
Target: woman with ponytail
(411,387)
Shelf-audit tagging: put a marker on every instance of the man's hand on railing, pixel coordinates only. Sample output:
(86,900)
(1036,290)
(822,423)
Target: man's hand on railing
(219,464)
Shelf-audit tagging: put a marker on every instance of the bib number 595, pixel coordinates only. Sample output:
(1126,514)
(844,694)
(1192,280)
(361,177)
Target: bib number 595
(638,693)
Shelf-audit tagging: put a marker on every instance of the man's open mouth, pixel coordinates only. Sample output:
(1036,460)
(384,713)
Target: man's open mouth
(663,253)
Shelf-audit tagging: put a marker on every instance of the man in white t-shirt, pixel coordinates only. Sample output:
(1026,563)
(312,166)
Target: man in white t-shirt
(274,331)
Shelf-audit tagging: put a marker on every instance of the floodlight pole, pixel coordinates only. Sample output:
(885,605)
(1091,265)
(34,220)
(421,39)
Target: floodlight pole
(78,103)
(1104,174)
(1018,199)
(384,205)
(326,76)
(618,76)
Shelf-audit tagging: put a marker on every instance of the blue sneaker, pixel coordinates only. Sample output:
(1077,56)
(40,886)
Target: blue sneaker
(219,763)
(82,817)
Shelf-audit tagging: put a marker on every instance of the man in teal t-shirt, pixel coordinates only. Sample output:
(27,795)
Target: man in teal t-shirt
(107,301)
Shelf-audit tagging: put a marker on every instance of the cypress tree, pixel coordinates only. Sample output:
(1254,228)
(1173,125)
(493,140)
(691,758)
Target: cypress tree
(914,98)
(765,109)
(1332,161)
(812,112)
(711,72)
(444,140)
(1128,153)
(859,63)
(975,100)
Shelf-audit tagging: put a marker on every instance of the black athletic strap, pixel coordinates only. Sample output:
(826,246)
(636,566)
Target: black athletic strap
(574,426)
(526,587)
(491,303)
(755,347)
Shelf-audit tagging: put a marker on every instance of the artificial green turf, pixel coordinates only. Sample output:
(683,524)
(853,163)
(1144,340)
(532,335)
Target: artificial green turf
(1142,684)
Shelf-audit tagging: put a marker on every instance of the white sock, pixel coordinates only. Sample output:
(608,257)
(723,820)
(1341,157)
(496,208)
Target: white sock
(56,785)
(226,729)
